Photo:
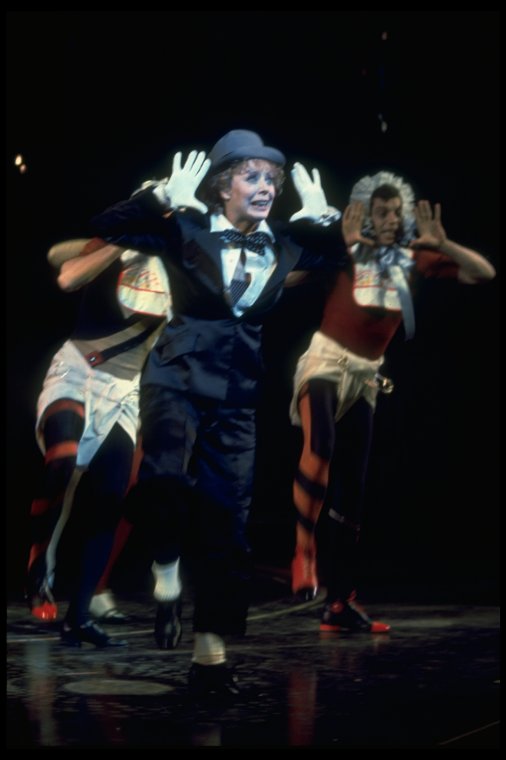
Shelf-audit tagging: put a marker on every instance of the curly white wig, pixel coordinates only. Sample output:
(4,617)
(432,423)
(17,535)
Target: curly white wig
(364,188)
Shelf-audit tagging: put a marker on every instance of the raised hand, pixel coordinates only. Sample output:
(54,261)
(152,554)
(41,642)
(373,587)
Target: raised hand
(314,203)
(353,221)
(180,188)
(430,229)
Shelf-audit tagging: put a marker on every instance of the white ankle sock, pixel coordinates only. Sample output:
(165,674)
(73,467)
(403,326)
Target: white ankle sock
(209,649)
(167,583)
(102,603)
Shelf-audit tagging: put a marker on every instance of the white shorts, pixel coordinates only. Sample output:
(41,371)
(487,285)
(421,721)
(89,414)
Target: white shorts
(106,399)
(354,376)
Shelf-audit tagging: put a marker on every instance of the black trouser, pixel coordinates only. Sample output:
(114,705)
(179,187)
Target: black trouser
(194,492)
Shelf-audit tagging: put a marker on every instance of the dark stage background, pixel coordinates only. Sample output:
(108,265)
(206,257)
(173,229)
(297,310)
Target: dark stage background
(99,101)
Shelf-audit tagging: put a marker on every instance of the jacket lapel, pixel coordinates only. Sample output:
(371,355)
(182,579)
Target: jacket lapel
(205,246)
(203,251)
(287,255)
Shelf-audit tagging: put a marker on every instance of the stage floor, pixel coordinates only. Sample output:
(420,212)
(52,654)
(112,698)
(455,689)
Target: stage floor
(431,682)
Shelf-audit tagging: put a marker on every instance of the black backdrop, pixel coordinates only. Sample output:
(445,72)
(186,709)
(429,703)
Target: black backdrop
(99,101)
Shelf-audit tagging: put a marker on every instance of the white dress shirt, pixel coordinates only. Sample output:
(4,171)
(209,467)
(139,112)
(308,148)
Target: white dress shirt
(259,266)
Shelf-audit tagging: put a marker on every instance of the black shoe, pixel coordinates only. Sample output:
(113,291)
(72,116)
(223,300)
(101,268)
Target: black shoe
(90,633)
(349,616)
(168,628)
(216,681)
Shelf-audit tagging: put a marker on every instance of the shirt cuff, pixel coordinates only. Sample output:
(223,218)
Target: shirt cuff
(330,216)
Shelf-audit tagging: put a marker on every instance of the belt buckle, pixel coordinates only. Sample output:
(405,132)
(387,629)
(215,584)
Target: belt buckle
(385,385)
(94,358)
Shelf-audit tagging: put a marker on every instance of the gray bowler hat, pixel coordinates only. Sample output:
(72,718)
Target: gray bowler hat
(241,143)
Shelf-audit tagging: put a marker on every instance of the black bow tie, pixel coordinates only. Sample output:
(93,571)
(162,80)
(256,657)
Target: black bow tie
(256,241)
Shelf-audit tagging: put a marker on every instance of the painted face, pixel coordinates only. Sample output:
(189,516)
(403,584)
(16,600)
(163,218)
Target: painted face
(251,193)
(386,218)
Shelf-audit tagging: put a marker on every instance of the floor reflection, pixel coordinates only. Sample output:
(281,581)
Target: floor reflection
(41,691)
(432,681)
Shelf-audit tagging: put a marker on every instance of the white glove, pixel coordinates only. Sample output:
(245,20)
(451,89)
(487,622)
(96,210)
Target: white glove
(179,189)
(314,203)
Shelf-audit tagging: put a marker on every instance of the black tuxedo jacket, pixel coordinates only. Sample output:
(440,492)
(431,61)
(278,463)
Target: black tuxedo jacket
(205,349)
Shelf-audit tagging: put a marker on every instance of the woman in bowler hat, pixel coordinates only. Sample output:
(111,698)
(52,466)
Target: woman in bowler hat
(227,263)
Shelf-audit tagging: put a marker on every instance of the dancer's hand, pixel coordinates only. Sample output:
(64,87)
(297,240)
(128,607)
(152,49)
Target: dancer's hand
(314,203)
(179,190)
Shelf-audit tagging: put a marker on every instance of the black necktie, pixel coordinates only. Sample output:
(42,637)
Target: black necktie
(240,280)
(256,241)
